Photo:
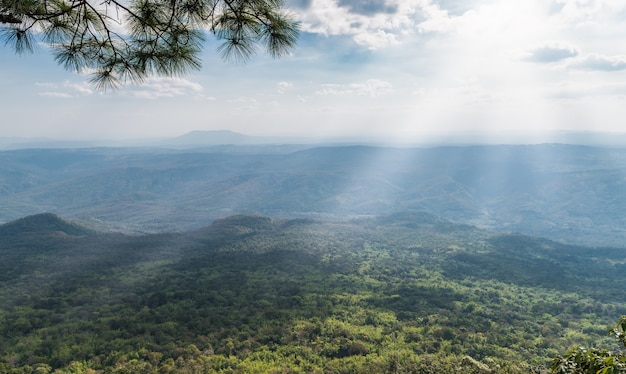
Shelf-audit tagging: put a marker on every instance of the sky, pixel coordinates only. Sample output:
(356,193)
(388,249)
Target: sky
(400,69)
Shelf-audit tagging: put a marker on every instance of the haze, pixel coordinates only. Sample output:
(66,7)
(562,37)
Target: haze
(403,69)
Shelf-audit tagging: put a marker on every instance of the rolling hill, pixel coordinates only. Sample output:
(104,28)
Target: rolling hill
(572,194)
(408,292)
(43,223)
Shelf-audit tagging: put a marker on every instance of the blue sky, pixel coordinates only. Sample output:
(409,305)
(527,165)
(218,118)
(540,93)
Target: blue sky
(403,69)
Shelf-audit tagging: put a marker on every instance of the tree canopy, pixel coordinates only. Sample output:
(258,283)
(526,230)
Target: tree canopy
(581,360)
(117,41)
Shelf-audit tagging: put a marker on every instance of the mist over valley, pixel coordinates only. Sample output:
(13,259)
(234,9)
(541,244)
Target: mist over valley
(567,193)
(301,258)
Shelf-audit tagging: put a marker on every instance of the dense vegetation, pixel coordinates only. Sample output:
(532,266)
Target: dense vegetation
(582,360)
(407,293)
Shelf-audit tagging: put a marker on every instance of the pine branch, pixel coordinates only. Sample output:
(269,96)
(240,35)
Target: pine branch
(162,37)
(9,18)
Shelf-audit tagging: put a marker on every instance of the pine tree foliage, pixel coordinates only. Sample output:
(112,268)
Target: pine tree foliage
(593,360)
(119,41)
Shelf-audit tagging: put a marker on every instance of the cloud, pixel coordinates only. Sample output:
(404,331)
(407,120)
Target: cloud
(588,12)
(377,24)
(600,63)
(372,23)
(154,88)
(368,7)
(371,88)
(455,7)
(551,53)
(57,95)
(435,19)
(284,86)
(203,97)
(82,88)
(66,90)
(333,89)
(379,39)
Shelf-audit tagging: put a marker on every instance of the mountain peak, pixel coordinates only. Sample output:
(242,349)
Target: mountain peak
(43,223)
(212,137)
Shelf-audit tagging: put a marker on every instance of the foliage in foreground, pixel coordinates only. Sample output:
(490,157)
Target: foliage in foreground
(129,40)
(409,293)
(581,360)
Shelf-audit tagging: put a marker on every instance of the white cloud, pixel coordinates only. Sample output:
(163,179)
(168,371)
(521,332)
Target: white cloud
(379,23)
(334,89)
(82,88)
(379,39)
(57,95)
(552,52)
(203,97)
(154,88)
(284,86)
(371,87)
(435,19)
(66,90)
(375,24)
(600,63)
(589,12)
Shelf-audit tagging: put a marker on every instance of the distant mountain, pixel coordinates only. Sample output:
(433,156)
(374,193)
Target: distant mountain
(214,138)
(573,194)
(44,223)
(225,137)
(193,139)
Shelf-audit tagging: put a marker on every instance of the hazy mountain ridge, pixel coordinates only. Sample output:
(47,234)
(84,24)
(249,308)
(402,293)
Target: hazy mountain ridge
(226,138)
(563,192)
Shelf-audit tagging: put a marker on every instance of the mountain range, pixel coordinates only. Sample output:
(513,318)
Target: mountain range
(208,138)
(572,194)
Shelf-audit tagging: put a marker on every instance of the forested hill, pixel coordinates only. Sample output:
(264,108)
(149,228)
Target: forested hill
(408,292)
(44,223)
(571,194)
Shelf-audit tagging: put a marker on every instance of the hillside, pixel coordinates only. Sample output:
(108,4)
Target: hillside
(408,292)
(571,194)
(43,224)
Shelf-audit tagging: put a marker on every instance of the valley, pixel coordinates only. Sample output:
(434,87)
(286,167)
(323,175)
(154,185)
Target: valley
(571,194)
(408,292)
(302,259)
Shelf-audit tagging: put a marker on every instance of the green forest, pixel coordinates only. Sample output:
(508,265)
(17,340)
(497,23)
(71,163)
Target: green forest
(405,293)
